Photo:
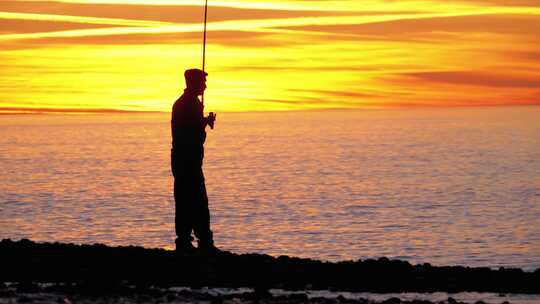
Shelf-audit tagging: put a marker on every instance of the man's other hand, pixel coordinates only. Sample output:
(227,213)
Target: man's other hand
(211,119)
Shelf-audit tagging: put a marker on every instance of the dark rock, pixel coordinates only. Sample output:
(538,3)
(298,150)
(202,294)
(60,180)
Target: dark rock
(27,287)
(7,293)
(298,297)
(341,298)
(98,269)
(392,301)
(217,300)
(171,297)
(25,299)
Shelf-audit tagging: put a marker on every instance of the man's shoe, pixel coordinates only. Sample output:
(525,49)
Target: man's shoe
(185,249)
(209,249)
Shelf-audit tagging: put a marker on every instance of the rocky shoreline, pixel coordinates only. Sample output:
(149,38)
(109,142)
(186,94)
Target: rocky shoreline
(90,268)
(121,293)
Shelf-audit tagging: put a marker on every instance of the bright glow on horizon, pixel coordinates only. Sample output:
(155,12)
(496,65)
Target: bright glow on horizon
(273,55)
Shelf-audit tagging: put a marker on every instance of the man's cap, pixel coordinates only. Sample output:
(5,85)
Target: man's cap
(195,74)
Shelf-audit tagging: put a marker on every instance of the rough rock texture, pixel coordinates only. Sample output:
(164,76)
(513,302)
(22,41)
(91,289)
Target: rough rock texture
(73,293)
(106,267)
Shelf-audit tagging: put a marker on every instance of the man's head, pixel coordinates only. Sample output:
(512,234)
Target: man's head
(195,80)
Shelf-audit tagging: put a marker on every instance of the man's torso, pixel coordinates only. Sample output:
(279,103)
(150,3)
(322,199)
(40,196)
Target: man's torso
(188,133)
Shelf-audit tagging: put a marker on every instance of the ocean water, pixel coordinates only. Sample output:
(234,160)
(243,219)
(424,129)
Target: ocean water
(441,186)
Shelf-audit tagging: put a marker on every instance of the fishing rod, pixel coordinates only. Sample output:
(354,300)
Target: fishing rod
(204,41)
(211,115)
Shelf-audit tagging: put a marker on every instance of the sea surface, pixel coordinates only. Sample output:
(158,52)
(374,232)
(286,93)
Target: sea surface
(454,186)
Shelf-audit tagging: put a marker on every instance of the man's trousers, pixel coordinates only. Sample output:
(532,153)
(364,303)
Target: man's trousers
(192,213)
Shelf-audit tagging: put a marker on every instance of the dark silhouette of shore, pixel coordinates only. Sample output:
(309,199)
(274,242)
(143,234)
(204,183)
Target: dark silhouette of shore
(103,267)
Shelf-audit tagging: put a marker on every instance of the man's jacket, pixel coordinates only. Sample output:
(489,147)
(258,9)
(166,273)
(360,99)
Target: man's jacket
(188,133)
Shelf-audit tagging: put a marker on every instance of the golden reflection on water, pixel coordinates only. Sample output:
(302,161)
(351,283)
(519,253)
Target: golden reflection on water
(447,186)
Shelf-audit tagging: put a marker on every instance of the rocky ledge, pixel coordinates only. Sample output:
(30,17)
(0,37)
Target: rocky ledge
(102,267)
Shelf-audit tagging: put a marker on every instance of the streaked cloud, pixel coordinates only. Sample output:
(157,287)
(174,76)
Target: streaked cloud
(420,25)
(474,78)
(18,26)
(167,13)
(79,19)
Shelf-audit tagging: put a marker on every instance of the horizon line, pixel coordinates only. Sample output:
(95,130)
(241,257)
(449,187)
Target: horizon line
(44,110)
(38,111)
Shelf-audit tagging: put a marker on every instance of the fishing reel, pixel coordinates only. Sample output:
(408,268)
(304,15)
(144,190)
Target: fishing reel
(211,120)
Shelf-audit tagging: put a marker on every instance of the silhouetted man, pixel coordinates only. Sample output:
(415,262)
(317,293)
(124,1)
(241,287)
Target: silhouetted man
(188,126)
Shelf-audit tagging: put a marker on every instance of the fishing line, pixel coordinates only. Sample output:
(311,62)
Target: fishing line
(204,42)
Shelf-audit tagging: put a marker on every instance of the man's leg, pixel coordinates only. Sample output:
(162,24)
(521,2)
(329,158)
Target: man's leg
(183,210)
(201,215)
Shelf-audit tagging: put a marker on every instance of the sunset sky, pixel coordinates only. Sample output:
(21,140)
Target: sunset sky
(97,55)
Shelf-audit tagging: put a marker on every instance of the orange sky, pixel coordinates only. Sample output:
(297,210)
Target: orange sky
(269,55)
